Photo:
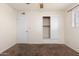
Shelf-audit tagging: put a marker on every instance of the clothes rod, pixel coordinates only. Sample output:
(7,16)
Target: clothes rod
(73,8)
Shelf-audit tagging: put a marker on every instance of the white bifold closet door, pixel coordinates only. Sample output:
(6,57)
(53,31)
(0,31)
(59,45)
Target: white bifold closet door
(22,28)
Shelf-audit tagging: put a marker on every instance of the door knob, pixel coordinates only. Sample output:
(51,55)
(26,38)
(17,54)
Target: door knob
(26,31)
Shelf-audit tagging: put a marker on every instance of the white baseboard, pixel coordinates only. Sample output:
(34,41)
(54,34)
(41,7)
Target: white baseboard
(72,48)
(7,48)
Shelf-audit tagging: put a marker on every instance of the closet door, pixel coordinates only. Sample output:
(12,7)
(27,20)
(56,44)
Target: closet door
(22,28)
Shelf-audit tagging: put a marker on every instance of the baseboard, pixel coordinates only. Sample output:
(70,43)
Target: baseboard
(44,43)
(39,43)
(72,48)
(7,48)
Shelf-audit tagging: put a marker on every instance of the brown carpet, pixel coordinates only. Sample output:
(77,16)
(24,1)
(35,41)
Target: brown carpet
(40,50)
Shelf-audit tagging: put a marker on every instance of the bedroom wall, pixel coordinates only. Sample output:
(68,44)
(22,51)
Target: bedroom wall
(35,34)
(7,27)
(71,33)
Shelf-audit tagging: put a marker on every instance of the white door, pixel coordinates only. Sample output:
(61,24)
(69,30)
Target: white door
(22,29)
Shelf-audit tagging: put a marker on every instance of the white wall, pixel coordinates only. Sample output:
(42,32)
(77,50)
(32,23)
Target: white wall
(71,33)
(35,27)
(7,27)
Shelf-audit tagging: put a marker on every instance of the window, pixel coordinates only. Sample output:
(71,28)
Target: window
(46,27)
(75,20)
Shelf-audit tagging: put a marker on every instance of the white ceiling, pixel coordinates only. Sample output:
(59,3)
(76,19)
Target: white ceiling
(35,6)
